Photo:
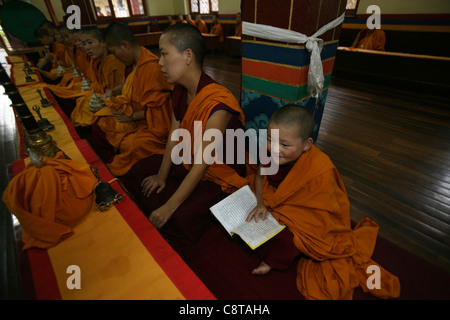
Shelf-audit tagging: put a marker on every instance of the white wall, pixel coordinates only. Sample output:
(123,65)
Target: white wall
(155,7)
(57,7)
(174,7)
(229,6)
(42,7)
(406,6)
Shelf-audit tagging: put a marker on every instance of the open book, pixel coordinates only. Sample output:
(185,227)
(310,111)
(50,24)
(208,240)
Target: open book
(234,209)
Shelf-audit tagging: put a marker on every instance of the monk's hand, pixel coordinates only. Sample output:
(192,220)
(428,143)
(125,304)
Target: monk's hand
(122,117)
(108,94)
(160,216)
(260,209)
(153,183)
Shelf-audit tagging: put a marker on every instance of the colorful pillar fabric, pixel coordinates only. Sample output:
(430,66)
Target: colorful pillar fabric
(275,74)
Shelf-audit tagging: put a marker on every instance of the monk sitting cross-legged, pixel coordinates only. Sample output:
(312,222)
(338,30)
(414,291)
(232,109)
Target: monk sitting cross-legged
(68,57)
(135,122)
(217,28)
(308,196)
(48,35)
(176,193)
(201,24)
(69,84)
(107,73)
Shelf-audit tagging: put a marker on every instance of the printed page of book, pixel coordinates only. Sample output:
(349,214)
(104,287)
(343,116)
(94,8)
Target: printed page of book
(257,233)
(234,209)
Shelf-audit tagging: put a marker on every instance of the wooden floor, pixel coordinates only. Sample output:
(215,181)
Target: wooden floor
(10,287)
(392,149)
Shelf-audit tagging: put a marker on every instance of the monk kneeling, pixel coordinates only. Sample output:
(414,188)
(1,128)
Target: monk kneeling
(308,196)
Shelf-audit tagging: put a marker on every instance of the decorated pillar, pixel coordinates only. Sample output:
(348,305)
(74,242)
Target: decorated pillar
(276,72)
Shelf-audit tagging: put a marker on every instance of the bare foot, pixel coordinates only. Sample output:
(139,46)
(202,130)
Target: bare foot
(262,269)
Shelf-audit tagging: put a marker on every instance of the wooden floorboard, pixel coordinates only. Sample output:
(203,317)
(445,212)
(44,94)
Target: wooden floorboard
(393,150)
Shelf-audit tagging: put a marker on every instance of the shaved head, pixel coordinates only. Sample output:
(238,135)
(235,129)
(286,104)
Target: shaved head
(116,33)
(297,117)
(95,33)
(185,36)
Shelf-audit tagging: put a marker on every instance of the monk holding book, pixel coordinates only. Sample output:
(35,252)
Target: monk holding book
(308,196)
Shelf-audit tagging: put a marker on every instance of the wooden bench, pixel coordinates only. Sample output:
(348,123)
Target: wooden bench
(233,45)
(148,39)
(212,41)
(406,71)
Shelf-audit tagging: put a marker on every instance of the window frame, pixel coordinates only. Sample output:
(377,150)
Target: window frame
(113,17)
(198,5)
(351,13)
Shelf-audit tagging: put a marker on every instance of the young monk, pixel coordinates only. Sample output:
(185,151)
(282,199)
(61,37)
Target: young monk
(69,83)
(201,24)
(308,196)
(238,28)
(48,36)
(82,59)
(107,74)
(137,121)
(370,39)
(45,34)
(190,20)
(217,28)
(177,197)
(68,87)
(181,19)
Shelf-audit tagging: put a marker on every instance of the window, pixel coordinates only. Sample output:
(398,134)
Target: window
(204,6)
(351,8)
(119,8)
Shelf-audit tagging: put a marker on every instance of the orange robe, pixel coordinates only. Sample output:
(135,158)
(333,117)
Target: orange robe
(200,110)
(202,26)
(193,216)
(312,202)
(238,32)
(82,61)
(61,54)
(218,30)
(147,89)
(69,87)
(51,200)
(110,74)
(374,41)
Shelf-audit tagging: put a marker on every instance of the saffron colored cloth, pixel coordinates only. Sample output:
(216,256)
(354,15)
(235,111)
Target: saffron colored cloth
(109,74)
(200,109)
(61,54)
(238,32)
(373,41)
(218,30)
(50,201)
(147,89)
(82,61)
(69,87)
(312,202)
(193,217)
(202,27)
(119,253)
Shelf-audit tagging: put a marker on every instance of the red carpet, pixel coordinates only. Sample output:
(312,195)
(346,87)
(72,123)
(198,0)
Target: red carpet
(224,265)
